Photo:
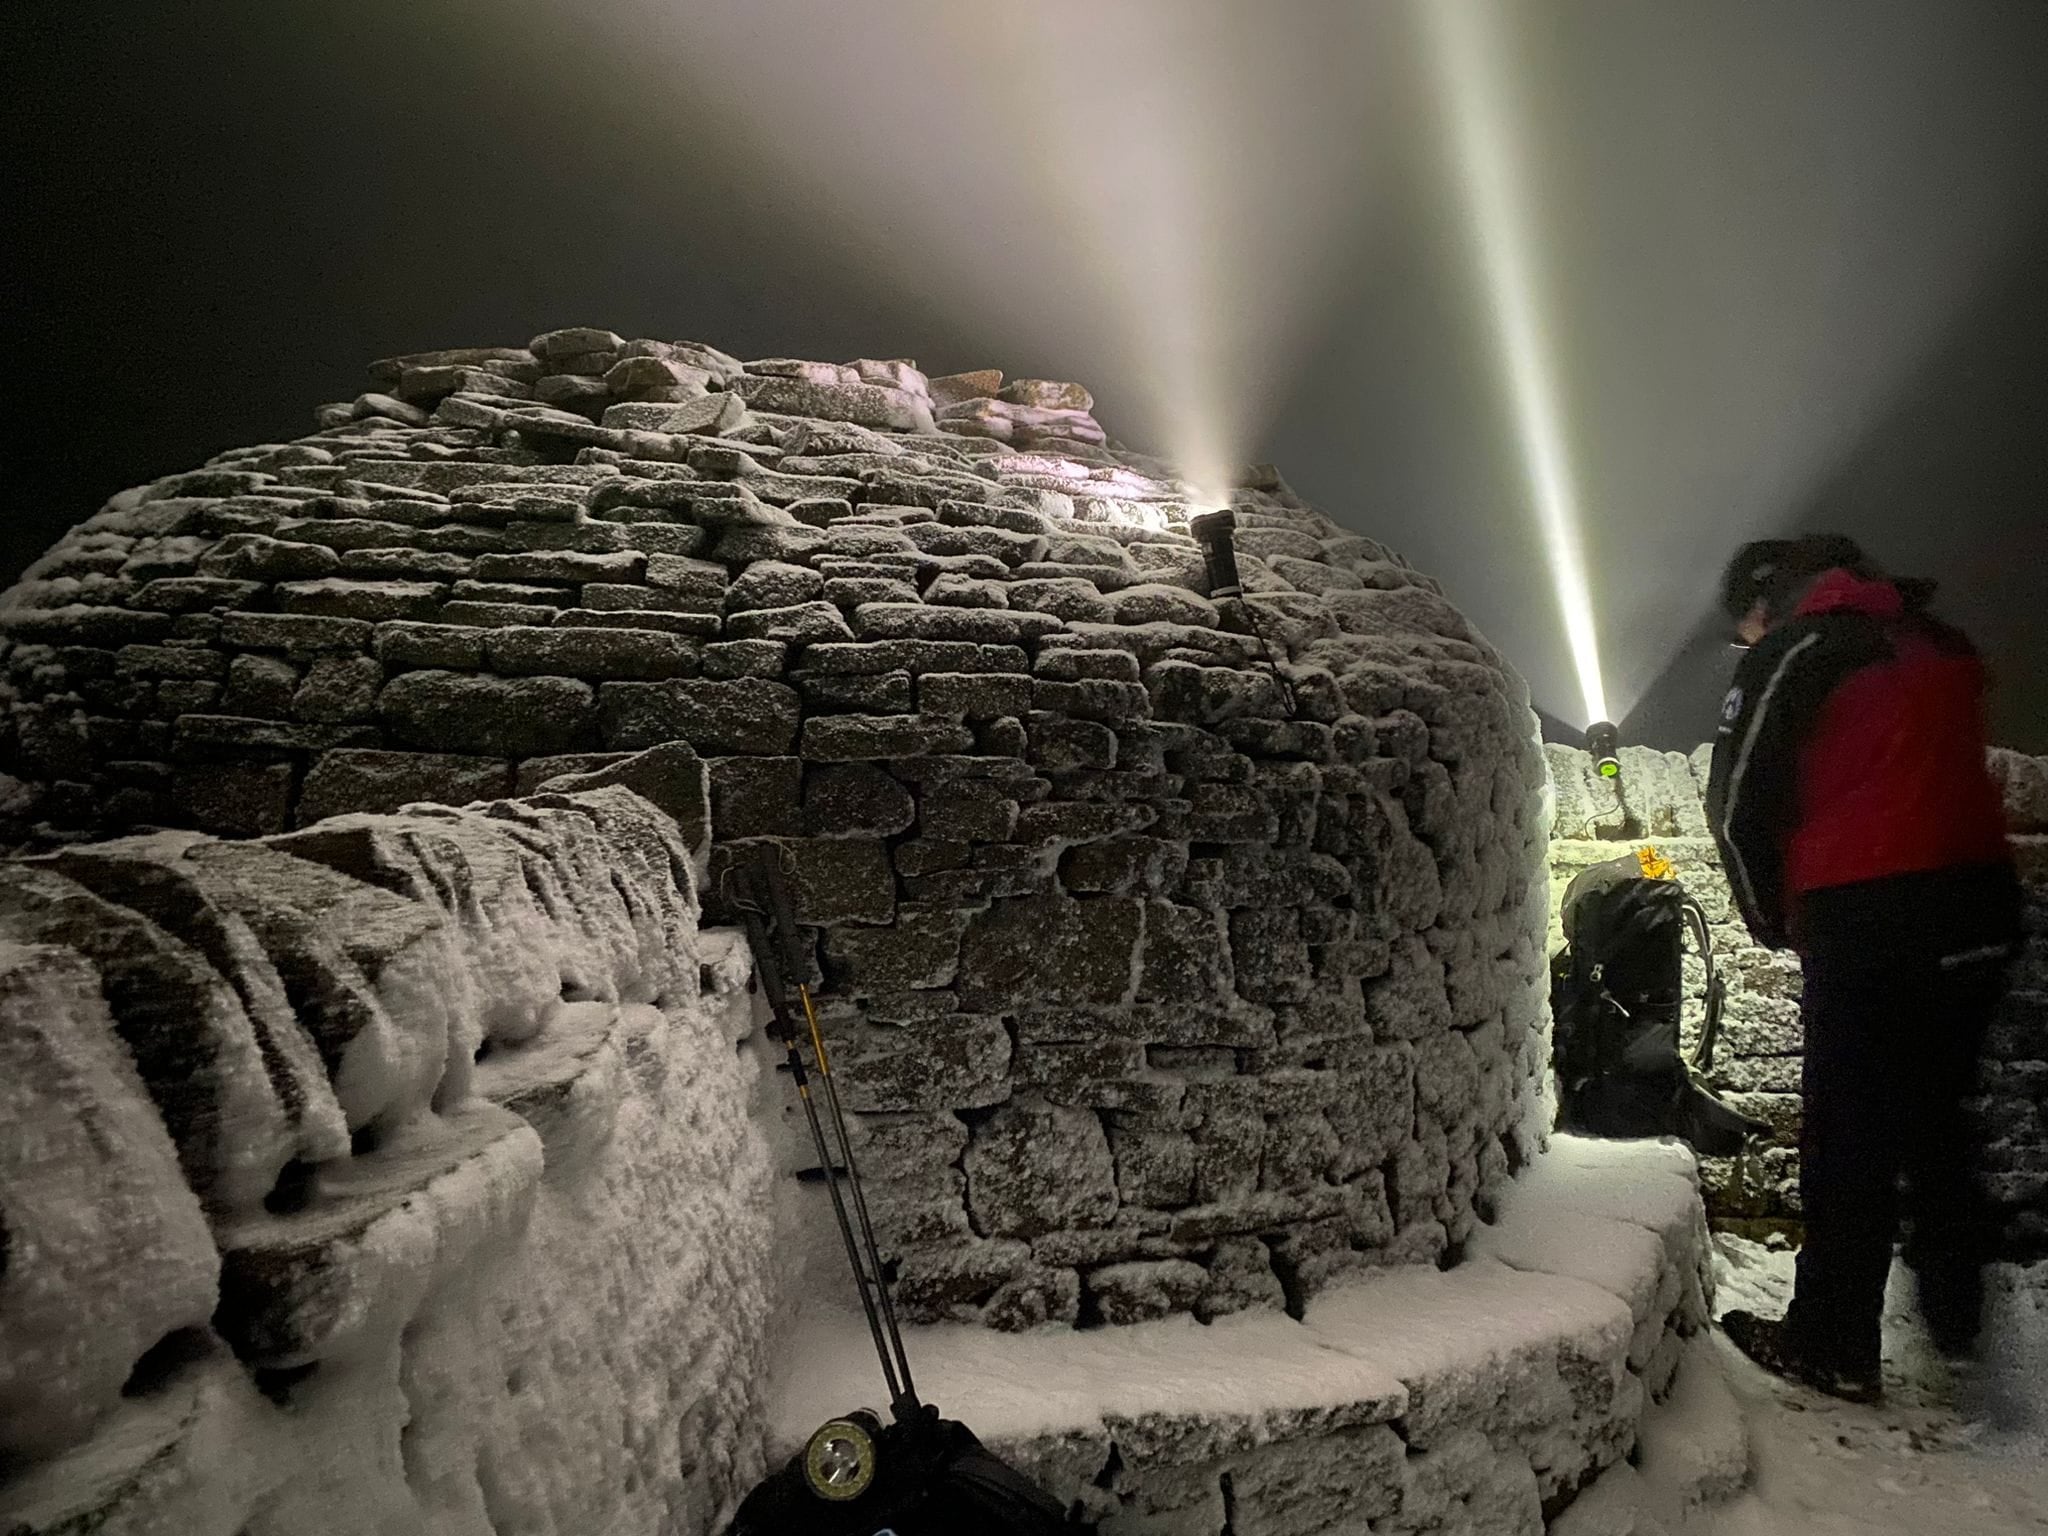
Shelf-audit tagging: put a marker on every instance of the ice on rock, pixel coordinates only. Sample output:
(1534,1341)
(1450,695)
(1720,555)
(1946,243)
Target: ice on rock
(1041,1168)
(109,1257)
(1468,1486)
(507,565)
(537,916)
(530,1290)
(1331,1482)
(187,1031)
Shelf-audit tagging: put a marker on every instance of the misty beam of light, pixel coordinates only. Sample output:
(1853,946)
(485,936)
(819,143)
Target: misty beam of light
(1157,197)
(1466,47)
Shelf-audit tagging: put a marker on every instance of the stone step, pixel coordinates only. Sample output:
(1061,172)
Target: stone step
(1466,1400)
(1694,1447)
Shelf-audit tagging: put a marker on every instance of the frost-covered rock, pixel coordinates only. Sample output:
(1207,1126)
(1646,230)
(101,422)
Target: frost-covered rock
(109,1257)
(948,652)
(2024,781)
(1040,1168)
(1473,1400)
(234,1124)
(394,1173)
(1656,795)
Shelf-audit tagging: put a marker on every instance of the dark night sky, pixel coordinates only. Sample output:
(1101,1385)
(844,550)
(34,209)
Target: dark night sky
(1798,252)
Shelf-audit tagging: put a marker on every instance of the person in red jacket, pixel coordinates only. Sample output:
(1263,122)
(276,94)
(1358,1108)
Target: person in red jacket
(1860,826)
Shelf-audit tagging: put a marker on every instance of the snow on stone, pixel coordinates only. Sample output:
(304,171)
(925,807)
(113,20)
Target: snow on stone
(1534,1361)
(106,1251)
(1162,992)
(1751,1277)
(1507,1385)
(2012,1390)
(1231,1383)
(1695,1444)
(1081,846)
(1950,1450)
(529,1294)
(1544,1232)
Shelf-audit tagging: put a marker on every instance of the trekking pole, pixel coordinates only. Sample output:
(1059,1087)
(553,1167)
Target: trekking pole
(906,1404)
(753,910)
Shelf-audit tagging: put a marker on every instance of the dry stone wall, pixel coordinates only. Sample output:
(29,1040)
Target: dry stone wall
(1164,978)
(1480,1401)
(2014,1102)
(394,1174)
(1661,802)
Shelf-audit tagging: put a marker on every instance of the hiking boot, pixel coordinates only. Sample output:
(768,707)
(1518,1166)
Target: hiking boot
(1952,1311)
(1953,1339)
(1769,1344)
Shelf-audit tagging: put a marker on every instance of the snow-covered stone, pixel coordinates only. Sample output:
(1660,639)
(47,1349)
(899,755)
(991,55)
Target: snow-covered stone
(532,1284)
(1421,1401)
(951,654)
(109,1260)
(1697,1447)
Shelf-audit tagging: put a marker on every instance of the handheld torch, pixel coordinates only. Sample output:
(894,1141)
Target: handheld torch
(1214,532)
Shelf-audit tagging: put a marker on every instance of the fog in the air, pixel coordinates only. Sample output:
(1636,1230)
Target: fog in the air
(1246,227)
(1782,262)
(1162,194)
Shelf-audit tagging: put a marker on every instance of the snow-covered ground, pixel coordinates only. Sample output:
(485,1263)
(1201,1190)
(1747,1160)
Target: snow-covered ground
(1949,1452)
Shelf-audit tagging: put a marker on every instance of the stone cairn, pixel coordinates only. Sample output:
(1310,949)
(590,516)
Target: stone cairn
(1173,963)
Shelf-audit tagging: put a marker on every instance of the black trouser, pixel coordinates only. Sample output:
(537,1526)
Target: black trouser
(1901,978)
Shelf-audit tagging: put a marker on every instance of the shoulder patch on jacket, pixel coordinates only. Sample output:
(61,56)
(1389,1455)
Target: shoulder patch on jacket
(1731,709)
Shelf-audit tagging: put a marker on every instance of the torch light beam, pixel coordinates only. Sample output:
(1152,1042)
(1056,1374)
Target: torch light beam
(1467,52)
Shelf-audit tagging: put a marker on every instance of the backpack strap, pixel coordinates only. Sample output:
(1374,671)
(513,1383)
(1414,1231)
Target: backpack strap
(1716,989)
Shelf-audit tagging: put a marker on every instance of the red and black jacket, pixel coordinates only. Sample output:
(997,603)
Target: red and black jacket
(1851,753)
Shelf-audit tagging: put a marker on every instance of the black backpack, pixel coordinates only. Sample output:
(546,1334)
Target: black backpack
(1616,992)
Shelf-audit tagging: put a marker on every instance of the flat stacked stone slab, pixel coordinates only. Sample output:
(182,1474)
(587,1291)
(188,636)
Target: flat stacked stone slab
(347,1139)
(1477,1402)
(1233,907)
